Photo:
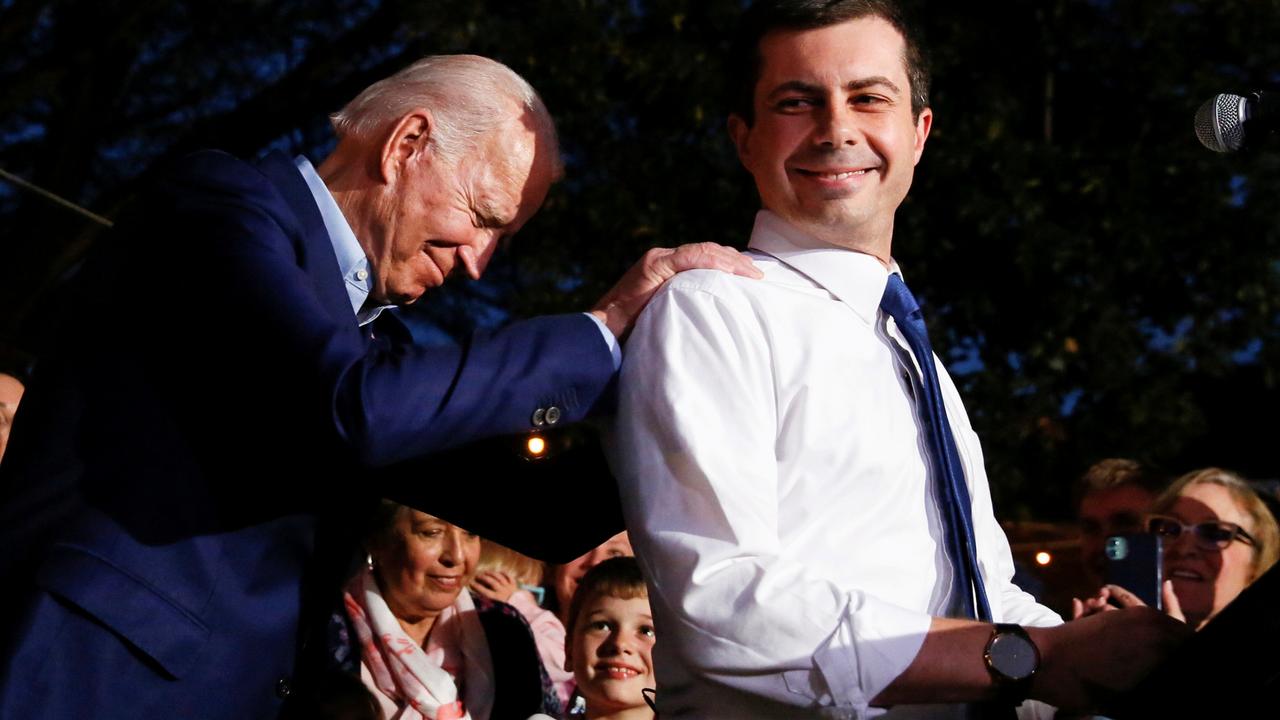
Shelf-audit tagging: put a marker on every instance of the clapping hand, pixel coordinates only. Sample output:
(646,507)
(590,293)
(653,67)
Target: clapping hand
(1114,597)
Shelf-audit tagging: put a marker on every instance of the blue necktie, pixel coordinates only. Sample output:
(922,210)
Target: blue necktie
(953,493)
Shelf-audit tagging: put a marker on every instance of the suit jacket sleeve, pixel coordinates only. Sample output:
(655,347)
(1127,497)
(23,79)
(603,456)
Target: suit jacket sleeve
(259,288)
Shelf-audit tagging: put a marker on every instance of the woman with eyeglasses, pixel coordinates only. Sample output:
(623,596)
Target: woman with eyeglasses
(1219,537)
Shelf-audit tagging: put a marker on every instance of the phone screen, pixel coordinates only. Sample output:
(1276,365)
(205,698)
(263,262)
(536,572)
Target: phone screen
(1136,563)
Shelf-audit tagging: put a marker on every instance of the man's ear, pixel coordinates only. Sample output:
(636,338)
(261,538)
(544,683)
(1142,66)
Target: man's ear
(739,133)
(923,125)
(407,141)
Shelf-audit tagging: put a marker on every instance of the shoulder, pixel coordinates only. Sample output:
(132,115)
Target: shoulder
(695,292)
(502,622)
(220,196)
(212,169)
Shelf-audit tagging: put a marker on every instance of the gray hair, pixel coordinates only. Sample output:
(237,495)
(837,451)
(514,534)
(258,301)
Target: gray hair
(465,93)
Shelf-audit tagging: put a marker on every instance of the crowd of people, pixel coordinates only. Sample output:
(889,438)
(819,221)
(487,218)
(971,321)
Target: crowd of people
(593,630)
(813,530)
(1218,534)
(582,646)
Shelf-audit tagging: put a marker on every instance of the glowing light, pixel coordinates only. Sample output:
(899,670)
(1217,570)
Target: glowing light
(1043,558)
(536,445)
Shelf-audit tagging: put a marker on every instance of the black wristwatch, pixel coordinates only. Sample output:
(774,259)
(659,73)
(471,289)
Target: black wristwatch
(1012,659)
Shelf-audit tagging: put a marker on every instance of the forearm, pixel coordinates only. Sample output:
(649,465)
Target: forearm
(416,400)
(1081,663)
(948,668)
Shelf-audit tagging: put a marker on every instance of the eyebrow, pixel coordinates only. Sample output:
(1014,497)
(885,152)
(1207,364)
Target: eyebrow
(852,85)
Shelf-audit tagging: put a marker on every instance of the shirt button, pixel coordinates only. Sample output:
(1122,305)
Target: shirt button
(539,417)
(283,688)
(553,415)
(362,274)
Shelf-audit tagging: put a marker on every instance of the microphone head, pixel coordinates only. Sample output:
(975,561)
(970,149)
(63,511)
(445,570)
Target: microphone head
(1220,122)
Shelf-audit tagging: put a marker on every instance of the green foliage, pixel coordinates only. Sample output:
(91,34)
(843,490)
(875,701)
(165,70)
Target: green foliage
(1101,284)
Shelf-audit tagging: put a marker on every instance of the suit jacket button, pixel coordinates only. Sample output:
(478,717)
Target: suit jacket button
(284,688)
(553,415)
(540,417)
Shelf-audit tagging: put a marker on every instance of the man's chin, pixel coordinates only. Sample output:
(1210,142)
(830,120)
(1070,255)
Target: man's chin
(833,226)
(402,298)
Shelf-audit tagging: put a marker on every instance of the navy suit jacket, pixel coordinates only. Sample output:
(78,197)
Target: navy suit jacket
(211,411)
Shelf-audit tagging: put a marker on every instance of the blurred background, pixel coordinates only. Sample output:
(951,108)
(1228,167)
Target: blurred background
(1099,284)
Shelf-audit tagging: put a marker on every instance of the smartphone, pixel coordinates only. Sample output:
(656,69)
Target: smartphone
(1136,563)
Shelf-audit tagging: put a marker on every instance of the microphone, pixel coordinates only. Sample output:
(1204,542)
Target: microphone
(1227,123)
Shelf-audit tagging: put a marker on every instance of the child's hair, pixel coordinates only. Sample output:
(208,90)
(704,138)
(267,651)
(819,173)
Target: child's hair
(522,568)
(618,577)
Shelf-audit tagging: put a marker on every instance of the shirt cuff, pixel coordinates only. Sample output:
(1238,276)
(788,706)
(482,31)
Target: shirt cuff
(615,349)
(525,602)
(873,645)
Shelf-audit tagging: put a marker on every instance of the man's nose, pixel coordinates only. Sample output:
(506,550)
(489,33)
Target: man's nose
(476,255)
(837,126)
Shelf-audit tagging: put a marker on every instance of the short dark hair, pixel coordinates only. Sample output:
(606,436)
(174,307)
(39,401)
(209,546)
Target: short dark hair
(765,16)
(1118,472)
(618,577)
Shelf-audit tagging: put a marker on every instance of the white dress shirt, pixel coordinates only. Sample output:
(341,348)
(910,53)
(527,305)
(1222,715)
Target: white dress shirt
(777,488)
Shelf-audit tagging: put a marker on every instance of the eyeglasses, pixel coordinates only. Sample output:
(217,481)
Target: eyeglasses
(1212,535)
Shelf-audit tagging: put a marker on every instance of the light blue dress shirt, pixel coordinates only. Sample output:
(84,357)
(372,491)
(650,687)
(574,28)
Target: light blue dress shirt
(351,258)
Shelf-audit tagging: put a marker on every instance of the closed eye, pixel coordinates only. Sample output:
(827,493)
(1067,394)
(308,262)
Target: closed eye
(489,213)
(795,104)
(869,100)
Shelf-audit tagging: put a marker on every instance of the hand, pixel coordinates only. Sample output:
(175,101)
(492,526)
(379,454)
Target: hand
(620,306)
(1087,661)
(495,585)
(1125,599)
(1098,603)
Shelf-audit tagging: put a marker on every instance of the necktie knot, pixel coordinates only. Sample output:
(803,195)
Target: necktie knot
(898,300)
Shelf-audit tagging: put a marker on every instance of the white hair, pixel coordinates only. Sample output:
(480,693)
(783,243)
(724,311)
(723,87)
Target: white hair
(466,94)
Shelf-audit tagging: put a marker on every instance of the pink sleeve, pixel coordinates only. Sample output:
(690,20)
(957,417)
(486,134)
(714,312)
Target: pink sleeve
(548,635)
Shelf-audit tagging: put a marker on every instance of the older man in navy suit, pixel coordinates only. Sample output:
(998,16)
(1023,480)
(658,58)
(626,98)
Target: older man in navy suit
(183,476)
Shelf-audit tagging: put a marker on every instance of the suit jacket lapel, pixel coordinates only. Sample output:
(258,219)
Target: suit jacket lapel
(316,254)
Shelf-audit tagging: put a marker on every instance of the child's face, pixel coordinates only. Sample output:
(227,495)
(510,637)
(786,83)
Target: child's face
(611,653)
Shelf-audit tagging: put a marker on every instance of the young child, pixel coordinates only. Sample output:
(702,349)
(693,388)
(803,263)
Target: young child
(503,575)
(610,643)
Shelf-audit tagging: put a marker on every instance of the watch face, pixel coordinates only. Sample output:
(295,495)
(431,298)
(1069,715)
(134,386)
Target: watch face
(1013,656)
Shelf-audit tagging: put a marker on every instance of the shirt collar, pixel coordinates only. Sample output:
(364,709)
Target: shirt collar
(352,261)
(856,279)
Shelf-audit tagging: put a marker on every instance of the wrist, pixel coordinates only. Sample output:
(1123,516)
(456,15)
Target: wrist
(1045,639)
(614,316)
(521,599)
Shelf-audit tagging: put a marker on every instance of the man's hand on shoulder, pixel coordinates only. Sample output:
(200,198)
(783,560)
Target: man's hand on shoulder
(1087,661)
(620,306)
